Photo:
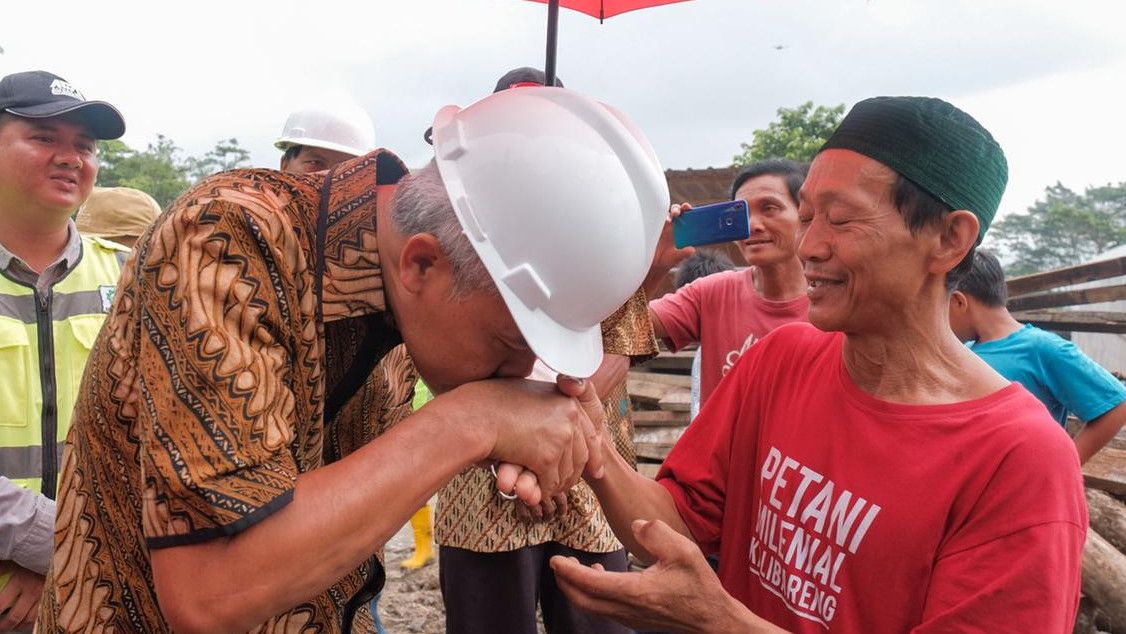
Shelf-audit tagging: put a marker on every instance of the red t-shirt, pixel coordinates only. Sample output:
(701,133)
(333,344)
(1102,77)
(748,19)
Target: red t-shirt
(832,510)
(726,316)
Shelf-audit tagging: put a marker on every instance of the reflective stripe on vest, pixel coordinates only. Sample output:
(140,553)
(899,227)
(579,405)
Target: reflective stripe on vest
(71,314)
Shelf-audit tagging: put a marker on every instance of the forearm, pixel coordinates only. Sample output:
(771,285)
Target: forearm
(658,327)
(1096,434)
(27,527)
(339,516)
(625,495)
(654,280)
(738,619)
(614,370)
(1091,439)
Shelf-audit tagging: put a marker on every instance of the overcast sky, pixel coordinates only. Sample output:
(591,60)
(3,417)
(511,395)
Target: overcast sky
(1048,78)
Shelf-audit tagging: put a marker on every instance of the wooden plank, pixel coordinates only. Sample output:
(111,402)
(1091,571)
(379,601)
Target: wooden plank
(675,380)
(676,401)
(1106,471)
(1066,276)
(647,392)
(1104,580)
(659,418)
(648,469)
(680,362)
(667,435)
(656,443)
(652,451)
(1056,299)
(1074,320)
(1118,442)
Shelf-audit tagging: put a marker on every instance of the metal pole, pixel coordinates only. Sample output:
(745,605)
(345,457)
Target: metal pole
(552,31)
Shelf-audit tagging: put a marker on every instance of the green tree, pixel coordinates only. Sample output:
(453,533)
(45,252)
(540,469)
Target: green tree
(797,134)
(226,155)
(159,170)
(1063,228)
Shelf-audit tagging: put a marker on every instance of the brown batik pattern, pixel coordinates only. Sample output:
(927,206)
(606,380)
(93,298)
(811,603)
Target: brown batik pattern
(472,516)
(204,393)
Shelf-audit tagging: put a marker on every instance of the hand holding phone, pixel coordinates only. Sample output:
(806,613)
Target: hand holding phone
(711,224)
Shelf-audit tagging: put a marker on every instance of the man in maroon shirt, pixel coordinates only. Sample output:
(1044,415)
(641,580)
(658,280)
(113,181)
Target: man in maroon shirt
(866,473)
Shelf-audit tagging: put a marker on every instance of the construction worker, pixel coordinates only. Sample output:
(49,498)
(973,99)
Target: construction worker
(223,472)
(318,138)
(118,214)
(55,290)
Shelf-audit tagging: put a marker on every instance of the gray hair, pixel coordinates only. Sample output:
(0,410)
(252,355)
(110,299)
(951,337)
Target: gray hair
(422,206)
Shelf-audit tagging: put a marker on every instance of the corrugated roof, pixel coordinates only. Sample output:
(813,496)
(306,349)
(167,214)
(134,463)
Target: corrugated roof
(700,186)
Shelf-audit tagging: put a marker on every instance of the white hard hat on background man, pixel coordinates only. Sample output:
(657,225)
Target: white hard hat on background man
(563,199)
(343,127)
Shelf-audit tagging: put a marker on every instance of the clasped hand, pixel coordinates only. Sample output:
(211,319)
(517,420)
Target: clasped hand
(540,460)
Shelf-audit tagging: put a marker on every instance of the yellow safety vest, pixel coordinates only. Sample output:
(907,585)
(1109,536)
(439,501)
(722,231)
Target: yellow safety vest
(45,338)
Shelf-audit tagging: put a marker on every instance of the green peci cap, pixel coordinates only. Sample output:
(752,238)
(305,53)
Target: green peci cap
(932,143)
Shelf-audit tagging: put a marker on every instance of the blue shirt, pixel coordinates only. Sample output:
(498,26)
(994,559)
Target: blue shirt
(1056,371)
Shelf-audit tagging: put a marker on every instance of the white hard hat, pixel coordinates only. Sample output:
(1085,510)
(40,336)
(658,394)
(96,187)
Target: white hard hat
(563,199)
(344,128)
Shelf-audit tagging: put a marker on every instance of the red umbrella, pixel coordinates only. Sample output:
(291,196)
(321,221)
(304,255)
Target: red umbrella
(600,9)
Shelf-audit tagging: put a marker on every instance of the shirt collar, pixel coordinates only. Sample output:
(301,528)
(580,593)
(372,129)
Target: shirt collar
(69,257)
(353,275)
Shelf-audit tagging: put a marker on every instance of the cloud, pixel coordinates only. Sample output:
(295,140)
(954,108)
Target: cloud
(699,77)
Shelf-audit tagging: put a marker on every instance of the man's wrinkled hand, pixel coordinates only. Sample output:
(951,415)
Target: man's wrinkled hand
(19,599)
(548,509)
(546,442)
(678,593)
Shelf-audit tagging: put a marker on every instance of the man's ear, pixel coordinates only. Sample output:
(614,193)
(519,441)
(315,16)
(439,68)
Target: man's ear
(957,235)
(959,301)
(422,262)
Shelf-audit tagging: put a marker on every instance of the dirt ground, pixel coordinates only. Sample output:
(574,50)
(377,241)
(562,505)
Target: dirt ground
(412,601)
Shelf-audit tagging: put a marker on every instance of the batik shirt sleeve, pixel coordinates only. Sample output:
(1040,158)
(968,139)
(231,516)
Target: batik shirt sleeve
(224,350)
(629,332)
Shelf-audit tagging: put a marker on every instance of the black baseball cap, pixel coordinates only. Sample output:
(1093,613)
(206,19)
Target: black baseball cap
(37,94)
(523,76)
(515,78)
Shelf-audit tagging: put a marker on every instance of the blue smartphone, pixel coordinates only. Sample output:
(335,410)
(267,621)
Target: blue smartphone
(710,224)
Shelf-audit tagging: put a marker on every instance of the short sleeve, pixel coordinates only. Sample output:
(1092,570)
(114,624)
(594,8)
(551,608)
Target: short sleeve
(679,313)
(1084,387)
(1027,581)
(218,304)
(629,332)
(1012,562)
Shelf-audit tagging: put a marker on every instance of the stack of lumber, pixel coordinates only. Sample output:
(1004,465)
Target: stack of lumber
(1103,608)
(1061,300)
(1050,299)
(661,393)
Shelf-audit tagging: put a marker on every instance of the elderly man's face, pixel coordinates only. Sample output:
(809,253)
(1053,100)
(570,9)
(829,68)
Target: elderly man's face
(774,221)
(863,264)
(466,339)
(46,163)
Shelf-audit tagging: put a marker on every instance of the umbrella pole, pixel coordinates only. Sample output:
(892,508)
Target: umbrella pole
(552,31)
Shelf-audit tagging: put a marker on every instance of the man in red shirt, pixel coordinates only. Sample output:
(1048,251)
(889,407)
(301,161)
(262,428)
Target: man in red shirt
(727,313)
(870,474)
